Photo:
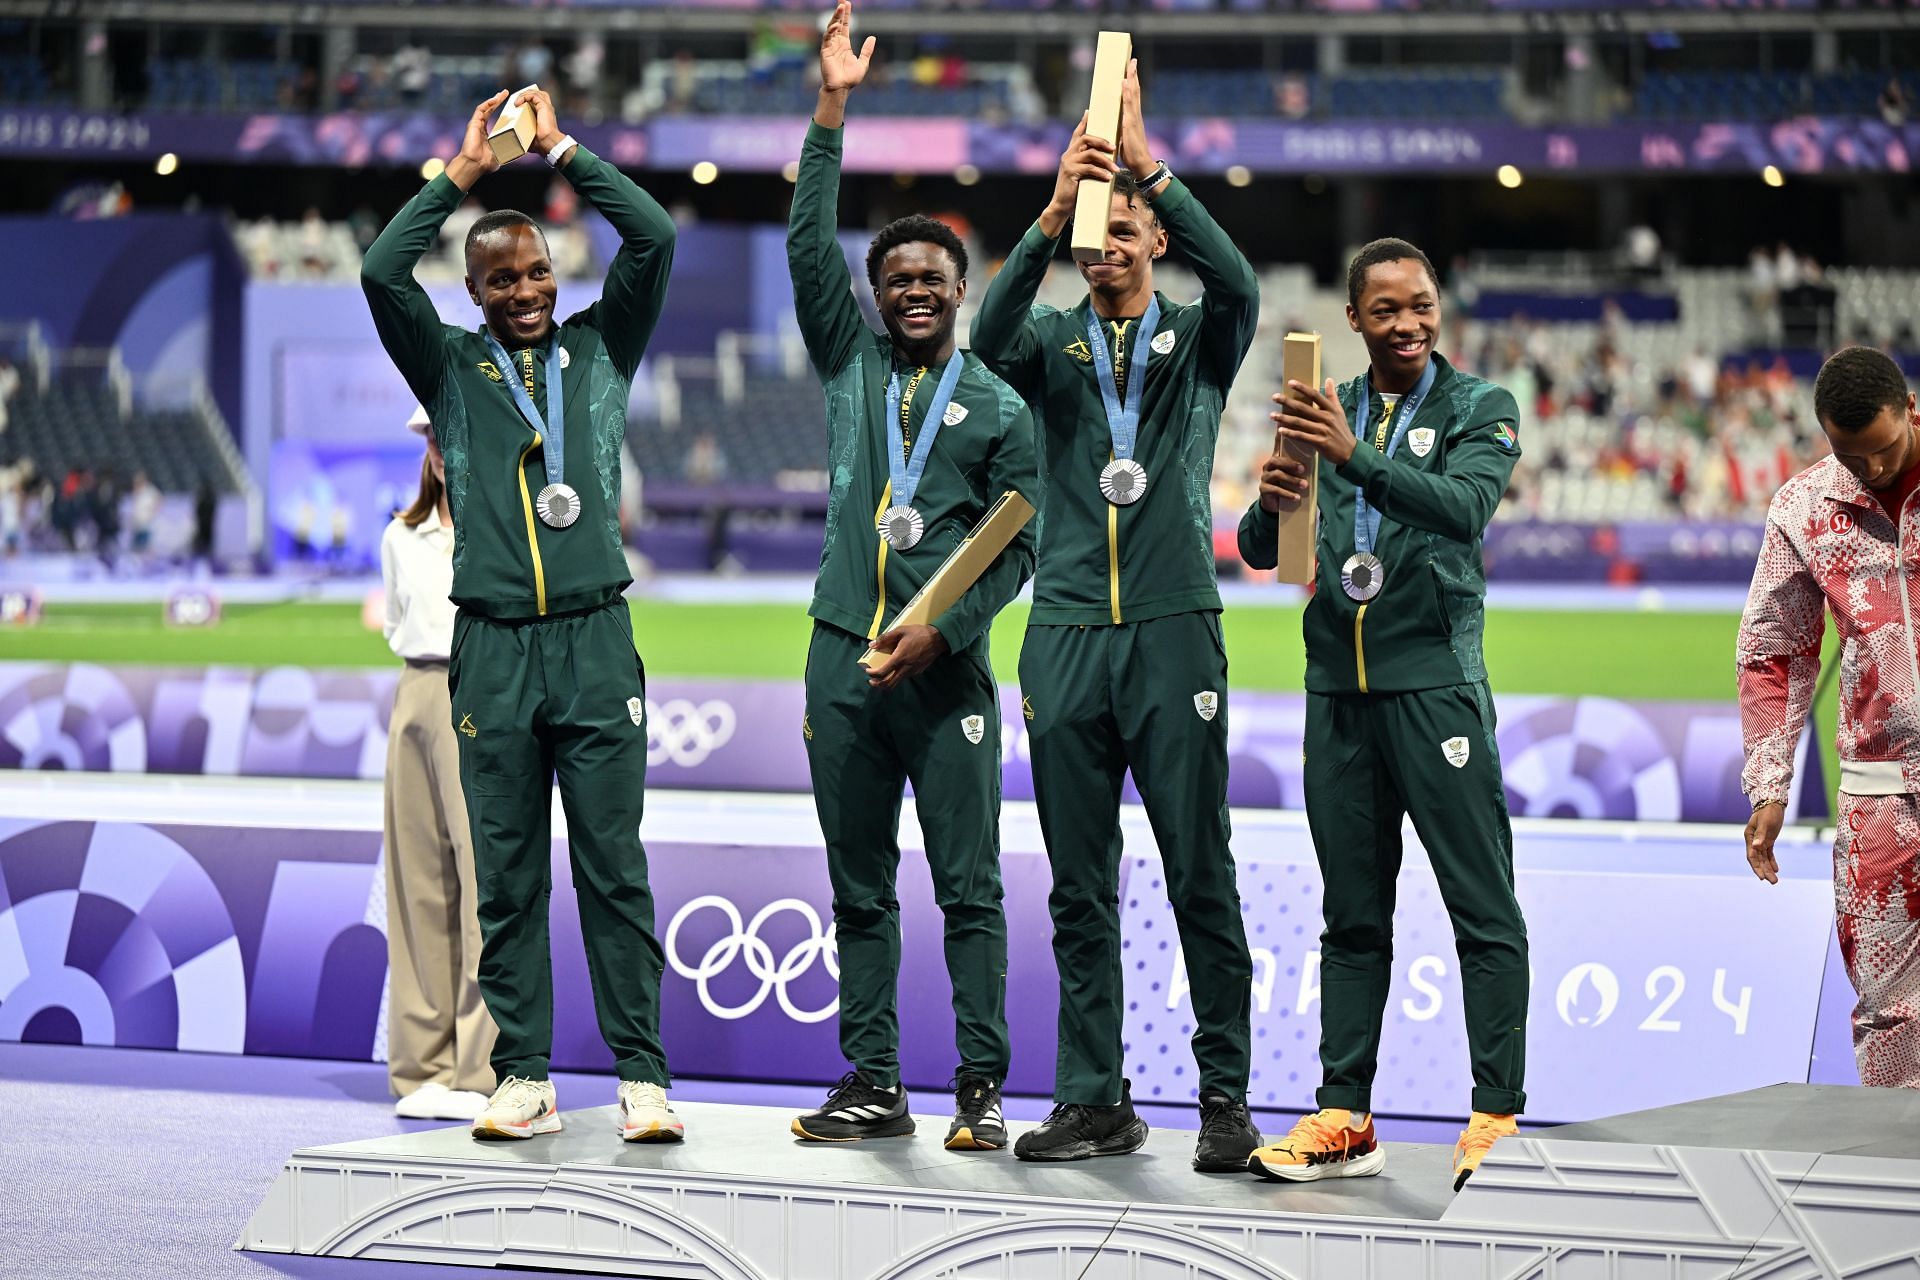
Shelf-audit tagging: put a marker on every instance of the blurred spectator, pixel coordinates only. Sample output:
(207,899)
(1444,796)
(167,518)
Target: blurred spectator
(104,507)
(1893,104)
(9,386)
(316,247)
(411,69)
(143,509)
(205,506)
(528,63)
(12,509)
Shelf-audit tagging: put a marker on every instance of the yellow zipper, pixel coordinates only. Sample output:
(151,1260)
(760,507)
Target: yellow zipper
(1113,557)
(1360,648)
(880,569)
(533,541)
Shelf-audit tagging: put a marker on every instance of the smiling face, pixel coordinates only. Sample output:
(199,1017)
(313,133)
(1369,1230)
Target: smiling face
(1398,316)
(510,277)
(919,295)
(1134,239)
(1881,451)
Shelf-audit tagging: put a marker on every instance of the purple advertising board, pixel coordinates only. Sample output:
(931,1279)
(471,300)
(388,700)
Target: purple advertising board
(1663,970)
(1801,145)
(1597,758)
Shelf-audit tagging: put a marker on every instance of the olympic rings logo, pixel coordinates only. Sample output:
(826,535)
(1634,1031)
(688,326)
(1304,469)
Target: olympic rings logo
(682,733)
(743,940)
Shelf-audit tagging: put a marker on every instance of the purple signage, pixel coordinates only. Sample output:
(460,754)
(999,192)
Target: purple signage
(1663,970)
(1802,145)
(1563,757)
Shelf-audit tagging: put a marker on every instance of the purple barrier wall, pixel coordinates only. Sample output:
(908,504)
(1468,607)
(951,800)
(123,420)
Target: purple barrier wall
(1804,145)
(1664,971)
(1564,758)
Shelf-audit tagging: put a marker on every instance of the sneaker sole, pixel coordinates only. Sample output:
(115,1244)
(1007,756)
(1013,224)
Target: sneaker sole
(966,1139)
(1358,1167)
(901,1128)
(1127,1141)
(653,1133)
(1221,1166)
(493,1131)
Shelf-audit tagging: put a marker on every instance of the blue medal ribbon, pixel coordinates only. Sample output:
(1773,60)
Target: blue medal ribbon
(1366,521)
(904,471)
(552,432)
(1123,420)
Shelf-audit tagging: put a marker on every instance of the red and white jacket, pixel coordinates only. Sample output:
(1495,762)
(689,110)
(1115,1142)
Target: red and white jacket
(1831,546)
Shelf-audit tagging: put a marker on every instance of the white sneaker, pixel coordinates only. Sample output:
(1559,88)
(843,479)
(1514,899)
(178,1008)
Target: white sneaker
(434,1101)
(518,1109)
(645,1115)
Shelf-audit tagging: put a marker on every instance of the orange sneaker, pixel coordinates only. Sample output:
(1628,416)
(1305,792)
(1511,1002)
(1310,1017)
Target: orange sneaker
(1322,1145)
(1482,1131)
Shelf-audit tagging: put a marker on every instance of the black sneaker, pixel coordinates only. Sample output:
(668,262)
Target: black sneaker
(977,1124)
(1227,1135)
(1075,1131)
(857,1108)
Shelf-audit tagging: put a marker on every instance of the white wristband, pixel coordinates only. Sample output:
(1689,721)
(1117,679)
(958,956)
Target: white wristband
(560,149)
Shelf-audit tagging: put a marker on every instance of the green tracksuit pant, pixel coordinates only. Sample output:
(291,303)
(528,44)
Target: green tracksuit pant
(941,731)
(1150,697)
(1371,760)
(559,697)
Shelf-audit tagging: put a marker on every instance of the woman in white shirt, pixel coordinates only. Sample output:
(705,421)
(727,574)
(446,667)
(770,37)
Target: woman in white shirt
(439,1034)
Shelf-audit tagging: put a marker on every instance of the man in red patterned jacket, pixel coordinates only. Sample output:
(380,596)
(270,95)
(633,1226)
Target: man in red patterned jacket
(1844,536)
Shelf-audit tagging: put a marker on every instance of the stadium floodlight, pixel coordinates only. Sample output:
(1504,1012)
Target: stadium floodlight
(967,175)
(1509,177)
(433,168)
(167,164)
(705,172)
(1772,176)
(1238,175)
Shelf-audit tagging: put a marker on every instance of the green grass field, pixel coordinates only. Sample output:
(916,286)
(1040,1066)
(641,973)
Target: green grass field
(1623,655)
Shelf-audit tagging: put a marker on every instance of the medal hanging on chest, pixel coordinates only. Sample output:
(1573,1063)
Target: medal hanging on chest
(558,505)
(901,524)
(1362,576)
(1123,481)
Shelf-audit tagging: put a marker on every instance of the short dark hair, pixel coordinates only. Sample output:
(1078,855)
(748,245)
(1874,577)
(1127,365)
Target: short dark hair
(497,220)
(1375,252)
(1855,385)
(915,228)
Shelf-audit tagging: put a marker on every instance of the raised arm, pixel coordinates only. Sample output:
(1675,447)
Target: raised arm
(1230,303)
(636,284)
(409,328)
(1012,465)
(830,320)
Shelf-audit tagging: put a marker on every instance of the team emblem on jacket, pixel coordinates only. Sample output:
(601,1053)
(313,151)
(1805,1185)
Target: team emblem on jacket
(1163,342)
(636,710)
(1842,522)
(1079,350)
(1207,703)
(975,727)
(955,415)
(565,358)
(1420,440)
(1505,437)
(486,367)
(1456,750)
(1026,707)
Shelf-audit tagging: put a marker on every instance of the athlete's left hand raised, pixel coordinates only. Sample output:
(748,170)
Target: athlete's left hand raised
(1136,154)
(1315,419)
(910,650)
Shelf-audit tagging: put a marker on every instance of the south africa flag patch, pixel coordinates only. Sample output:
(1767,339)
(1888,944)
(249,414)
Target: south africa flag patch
(1506,438)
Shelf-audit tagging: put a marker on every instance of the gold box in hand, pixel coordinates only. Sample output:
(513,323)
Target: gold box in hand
(512,133)
(1299,519)
(982,546)
(1094,203)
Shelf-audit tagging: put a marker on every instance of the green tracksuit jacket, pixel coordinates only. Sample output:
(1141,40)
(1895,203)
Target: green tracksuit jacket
(506,563)
(1102,564)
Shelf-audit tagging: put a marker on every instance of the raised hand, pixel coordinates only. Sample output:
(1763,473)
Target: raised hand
(476,159)
(840,67)
(546,125)
(1084,158)
(1135,152)
(1315,419)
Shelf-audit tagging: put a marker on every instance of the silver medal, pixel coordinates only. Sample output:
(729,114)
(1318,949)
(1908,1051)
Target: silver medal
(558,505)
(901,526)
(1123,482)
(1361,575)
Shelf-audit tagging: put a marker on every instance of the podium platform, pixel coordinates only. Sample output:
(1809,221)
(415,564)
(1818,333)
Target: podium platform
(1778,1183)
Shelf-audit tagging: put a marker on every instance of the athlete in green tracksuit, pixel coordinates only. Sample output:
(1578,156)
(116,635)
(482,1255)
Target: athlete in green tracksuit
(914,425)
(1399,717)
(530,415)
(1123,666)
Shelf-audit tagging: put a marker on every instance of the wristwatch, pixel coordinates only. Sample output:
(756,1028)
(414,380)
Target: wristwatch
(1150,185)
(560,149)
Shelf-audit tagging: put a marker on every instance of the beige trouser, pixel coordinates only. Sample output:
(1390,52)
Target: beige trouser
(438,1028)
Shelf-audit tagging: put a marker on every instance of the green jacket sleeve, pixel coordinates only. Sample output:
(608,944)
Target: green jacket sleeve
(1013,465)
(1003,333)
(1458,500)
(830,320)
(636,286)
(1230,305)
(1260,537)
(409,328)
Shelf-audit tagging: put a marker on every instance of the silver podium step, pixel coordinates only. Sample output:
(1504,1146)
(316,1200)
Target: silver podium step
(1780,1183)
